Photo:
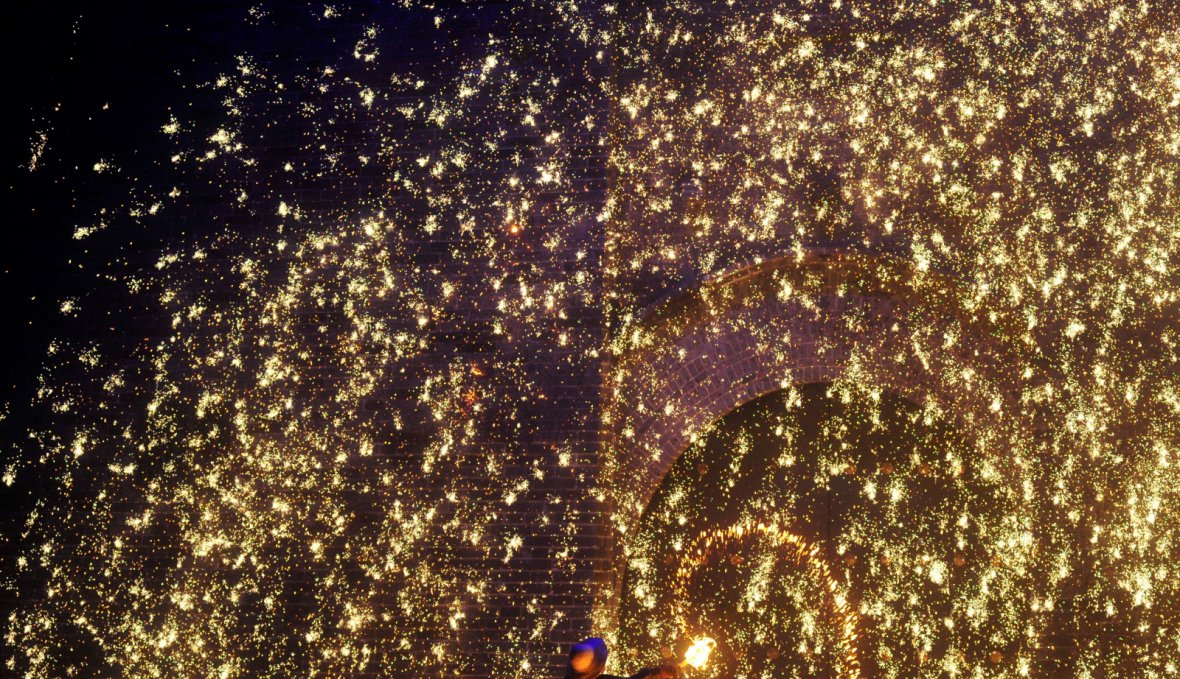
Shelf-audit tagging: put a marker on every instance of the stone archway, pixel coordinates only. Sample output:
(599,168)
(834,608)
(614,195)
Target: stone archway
(801,318)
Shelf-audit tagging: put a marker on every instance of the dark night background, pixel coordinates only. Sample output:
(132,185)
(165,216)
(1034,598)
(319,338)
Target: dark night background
(86,79)
(98,82)
(44,92)
(89,78)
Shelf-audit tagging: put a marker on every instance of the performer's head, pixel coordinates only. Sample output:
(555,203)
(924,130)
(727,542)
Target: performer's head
(587,659)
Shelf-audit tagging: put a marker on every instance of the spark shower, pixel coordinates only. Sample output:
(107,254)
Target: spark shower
(373,309)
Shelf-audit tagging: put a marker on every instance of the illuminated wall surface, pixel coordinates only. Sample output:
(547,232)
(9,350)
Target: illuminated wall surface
(423,339)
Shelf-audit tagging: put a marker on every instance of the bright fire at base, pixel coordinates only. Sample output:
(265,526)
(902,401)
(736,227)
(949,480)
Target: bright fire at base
(697,655)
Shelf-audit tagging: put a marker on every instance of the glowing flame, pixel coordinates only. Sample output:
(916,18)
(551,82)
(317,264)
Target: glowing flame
(698,654)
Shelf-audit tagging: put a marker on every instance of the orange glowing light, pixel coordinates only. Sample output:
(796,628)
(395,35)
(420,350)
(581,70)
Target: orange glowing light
(698,654)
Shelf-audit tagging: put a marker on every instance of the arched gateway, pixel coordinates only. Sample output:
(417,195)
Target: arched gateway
(806,319)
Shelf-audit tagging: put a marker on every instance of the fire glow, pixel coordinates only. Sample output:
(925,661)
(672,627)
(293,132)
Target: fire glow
(697,654)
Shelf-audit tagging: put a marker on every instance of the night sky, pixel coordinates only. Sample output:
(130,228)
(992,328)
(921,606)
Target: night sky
(87,86)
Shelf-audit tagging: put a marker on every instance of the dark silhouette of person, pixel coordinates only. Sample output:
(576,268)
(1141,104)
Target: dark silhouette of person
(588,660)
